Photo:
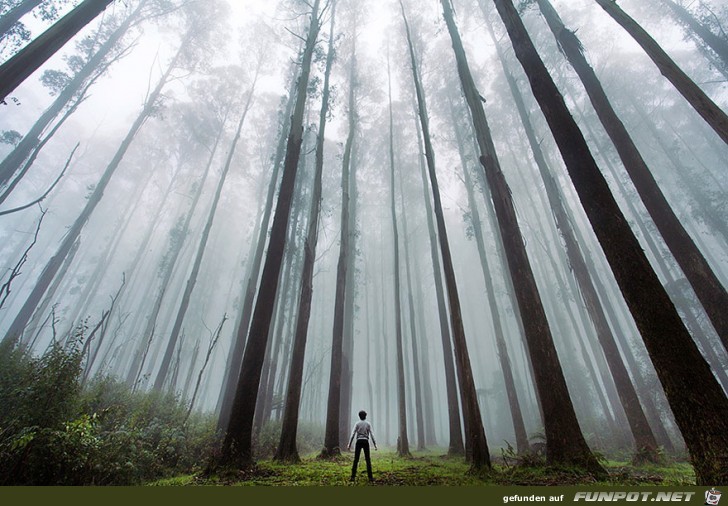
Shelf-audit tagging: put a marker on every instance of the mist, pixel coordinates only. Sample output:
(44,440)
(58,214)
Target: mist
(277,214)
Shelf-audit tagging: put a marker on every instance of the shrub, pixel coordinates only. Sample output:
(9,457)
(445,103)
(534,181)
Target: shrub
(54,433)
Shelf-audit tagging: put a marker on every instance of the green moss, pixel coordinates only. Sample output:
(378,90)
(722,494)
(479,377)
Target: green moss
(434,468)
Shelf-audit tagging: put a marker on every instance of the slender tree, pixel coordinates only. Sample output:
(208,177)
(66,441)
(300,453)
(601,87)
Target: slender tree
(402,439)
(644,439)
(519,427)
(706,284)
(54,264)
(237,447)
(18,68)
(287,450)
(455,435)
(75,88)
(12,16)
(476,445)
(192,279)
(710,112)
(698,402)
(565,442)
(235,357)
(333,411)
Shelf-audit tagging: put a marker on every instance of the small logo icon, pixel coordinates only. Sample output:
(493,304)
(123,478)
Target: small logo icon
(712,497)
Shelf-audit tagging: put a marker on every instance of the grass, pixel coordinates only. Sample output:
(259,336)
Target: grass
(433,468)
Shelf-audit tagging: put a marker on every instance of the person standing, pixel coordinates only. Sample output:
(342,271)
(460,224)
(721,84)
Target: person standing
(362,432)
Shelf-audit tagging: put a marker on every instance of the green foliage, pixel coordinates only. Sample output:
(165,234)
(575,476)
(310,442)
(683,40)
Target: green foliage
(53,433)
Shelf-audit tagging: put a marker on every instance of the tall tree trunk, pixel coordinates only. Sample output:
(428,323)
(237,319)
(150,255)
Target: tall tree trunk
(287,450)
(696,398)
(95,65)
(347,356)
(29,59)
(49,271)
(237,445)
(476,444)
(331,437)
(710,112)
(402,439)
(192,279)
(416,360)
(708,288)
(13,15)
(645,442)
(235,356)
(565,442)
(427,394)
(519,427)
(455,445)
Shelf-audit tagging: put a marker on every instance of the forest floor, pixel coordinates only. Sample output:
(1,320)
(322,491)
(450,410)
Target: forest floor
(433,468)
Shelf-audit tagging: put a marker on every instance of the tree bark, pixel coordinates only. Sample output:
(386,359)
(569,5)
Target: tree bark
(29,59)
(192,279)
(287,451)
(706,284)
(333,411)
(476,444)
(237,444)
(698,402)
(565,442)
(703,105)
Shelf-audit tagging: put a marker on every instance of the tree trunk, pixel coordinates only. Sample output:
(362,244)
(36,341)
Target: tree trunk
(237,445)
(708,288)
(564,440)
(29,59)
(402,439)
(456,445)
(347,356)
(331,437)
(13,15)
(475,444)
(698,402)
(287,451)
(416,360)
(645,442)
(192,279)
(20,153)
(711,113)
(235,356)
(519,427)
(49,271)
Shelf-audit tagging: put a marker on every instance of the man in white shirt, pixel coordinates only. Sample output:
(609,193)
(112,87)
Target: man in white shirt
(362,432)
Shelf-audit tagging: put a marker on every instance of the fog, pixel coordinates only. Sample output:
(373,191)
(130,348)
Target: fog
(173,234)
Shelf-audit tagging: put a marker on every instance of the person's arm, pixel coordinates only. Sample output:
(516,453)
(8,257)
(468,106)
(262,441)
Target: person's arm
(348,447)
(371,434)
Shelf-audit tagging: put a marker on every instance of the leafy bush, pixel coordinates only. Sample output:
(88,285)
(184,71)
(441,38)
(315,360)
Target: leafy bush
(53,432)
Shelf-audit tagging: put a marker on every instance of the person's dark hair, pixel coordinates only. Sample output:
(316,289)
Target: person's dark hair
(362,414)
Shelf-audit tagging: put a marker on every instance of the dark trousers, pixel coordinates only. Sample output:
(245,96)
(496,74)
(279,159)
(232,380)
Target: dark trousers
(362,444)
